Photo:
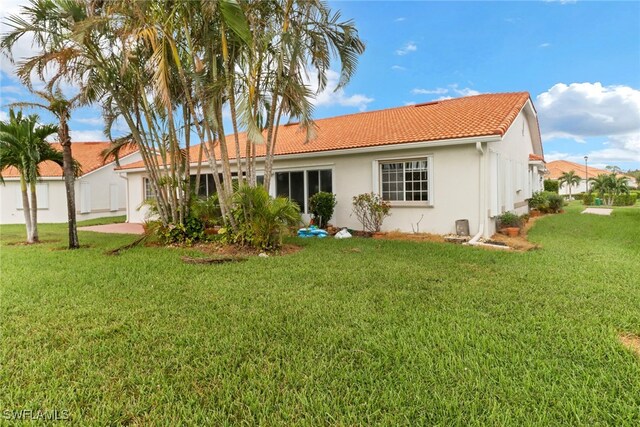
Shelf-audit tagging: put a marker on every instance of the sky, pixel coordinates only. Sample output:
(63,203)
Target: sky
(579,60)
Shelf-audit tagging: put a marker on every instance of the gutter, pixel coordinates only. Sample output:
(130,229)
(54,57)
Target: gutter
(126,203)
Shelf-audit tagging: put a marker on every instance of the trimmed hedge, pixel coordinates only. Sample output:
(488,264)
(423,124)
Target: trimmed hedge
(619,200)
(551,185)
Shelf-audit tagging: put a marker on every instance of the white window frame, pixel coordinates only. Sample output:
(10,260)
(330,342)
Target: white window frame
(377,179)
(304,209)
(146,182)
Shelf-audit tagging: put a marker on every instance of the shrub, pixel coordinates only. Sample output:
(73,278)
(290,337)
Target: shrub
(555,202)
(551,185)
(371,210)
(618,200)
(207,210)
(261,220)
(509,219)
(321,206)
(538,201)
(188,233)
(579,196)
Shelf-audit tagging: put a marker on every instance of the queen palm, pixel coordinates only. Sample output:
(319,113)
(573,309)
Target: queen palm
(23,145)
(569,179)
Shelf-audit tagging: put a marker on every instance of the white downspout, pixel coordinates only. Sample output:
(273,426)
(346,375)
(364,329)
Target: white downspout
(482,190)
(126,192)
(481,195)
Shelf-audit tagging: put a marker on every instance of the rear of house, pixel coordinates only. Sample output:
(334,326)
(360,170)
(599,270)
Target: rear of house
(99,190)
(468,158)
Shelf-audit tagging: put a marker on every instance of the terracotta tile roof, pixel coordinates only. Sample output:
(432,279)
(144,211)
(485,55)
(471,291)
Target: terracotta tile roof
(536,157)
(558,167)
(86,153)
(480,115)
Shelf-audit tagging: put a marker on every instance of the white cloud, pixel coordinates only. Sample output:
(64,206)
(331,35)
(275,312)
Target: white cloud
(543,45)
(23,48)
(400,19)
(11,89)
(452,89)
(87,135)
(90,120)
(582,110)
(398,68)
(561,1)
(4,116)
(329,96)
(409,47)
(438,91)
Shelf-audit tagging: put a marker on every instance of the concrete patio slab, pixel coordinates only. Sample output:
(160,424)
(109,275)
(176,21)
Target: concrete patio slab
(598,211)
(123,228)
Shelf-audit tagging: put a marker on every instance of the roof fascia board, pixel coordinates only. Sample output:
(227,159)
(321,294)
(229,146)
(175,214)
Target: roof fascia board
(370,149)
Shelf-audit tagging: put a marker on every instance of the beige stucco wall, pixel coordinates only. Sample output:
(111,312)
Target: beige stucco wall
(101,183)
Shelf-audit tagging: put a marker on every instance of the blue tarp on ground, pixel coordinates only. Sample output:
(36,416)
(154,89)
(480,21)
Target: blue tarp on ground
(312,231)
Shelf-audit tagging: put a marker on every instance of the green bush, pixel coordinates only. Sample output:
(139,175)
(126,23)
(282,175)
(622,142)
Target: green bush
(509,219)
(579,196)
(321,206)
(538,201)
(551,185)
(261,220)
(618,200)
(555,202)
(371,210)
(188,233)
(207,210)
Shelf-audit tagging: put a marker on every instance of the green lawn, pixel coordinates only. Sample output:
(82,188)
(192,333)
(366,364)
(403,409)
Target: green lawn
(355,332)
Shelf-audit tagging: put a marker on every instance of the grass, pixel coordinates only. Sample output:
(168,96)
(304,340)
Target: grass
(354,332)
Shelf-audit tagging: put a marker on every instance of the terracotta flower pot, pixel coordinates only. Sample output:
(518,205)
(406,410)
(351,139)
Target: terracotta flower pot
(512,231)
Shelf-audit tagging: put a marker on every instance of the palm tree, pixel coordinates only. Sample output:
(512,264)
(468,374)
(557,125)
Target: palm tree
(608,186)
(23,146)
(60,106)
(569,179)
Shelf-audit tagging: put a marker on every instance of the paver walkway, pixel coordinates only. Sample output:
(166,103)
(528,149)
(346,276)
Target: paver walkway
(123,228)
(598,211)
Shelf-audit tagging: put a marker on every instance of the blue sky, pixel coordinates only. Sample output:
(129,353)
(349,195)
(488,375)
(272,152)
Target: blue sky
(580,61)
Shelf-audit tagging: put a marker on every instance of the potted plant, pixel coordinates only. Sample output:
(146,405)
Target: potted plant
(537,204)
(510,223)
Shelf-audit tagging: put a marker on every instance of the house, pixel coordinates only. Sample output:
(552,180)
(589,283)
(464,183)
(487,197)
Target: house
(558,167)
(99,190)
(467,158)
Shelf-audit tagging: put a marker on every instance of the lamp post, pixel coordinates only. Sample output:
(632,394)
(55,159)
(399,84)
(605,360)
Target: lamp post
(586,174)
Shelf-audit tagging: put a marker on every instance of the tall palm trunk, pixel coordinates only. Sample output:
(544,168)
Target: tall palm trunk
(25,208)
(69,183)
(34,213)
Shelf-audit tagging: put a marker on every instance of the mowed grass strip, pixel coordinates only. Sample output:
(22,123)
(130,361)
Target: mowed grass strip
(354,332)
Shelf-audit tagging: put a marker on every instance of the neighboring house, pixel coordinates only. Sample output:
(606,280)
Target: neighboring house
(99,190)
(558,167)
(468,158)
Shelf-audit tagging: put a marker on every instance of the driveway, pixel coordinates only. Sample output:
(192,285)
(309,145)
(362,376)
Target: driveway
(122,228)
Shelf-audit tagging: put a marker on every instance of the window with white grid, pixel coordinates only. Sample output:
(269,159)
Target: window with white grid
(405,181)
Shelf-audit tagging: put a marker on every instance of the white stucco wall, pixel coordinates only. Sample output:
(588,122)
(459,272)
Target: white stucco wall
(100,185)
(454,172)
(512,179)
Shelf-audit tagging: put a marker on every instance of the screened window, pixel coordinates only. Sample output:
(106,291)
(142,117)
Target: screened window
(406,181)
(299,186)
(149,192)
(291,185)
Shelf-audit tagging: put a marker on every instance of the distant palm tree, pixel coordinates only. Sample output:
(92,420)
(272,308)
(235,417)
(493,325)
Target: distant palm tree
(569,179)
(23,145)
(60,106)
(608,186)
